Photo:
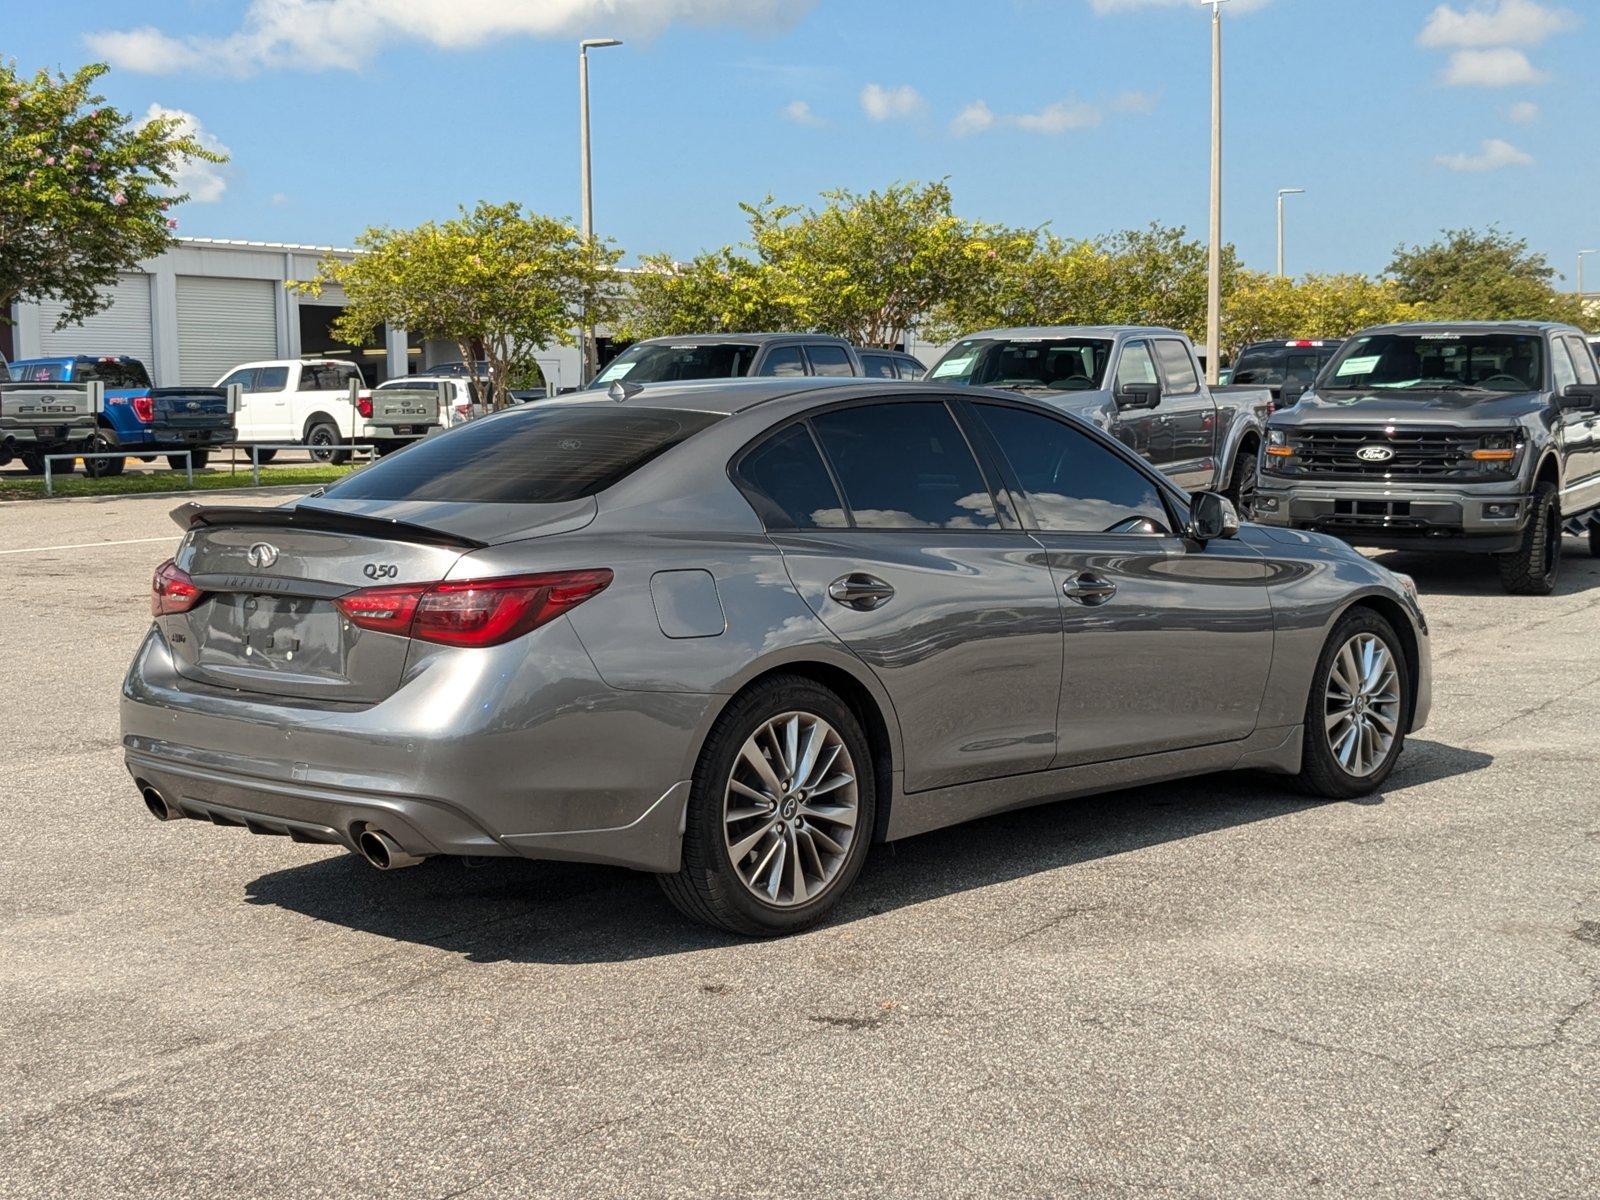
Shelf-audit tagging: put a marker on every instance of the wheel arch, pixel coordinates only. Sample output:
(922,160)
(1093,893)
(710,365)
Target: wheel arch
(1392,611)
(1548,470)
(320,417)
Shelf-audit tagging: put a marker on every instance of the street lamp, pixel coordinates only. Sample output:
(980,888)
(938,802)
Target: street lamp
(1214,258)
(1583,254)
(1282,192)
(585,334)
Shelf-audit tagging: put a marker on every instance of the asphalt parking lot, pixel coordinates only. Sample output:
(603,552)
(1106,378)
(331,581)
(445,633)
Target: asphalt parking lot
(1213,988)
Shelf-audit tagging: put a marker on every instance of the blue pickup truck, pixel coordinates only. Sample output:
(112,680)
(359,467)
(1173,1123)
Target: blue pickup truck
(138,417)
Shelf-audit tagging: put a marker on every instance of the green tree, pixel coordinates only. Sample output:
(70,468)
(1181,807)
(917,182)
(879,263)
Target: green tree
(84,189)
(1467,274)
(496,277)
(1262,307)
(721,291)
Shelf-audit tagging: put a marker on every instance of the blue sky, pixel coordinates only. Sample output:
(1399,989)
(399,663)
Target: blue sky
(1398,117)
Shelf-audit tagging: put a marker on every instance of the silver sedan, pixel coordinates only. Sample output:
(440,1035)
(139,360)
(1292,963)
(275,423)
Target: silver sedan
(735,633)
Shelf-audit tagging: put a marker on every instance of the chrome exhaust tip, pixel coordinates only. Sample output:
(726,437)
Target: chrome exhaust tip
(157,804)
(383,852)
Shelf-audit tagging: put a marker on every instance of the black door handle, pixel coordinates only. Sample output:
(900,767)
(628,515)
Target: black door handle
(860,591)
(1088,588)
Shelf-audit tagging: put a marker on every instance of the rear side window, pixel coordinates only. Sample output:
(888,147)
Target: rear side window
(785,360)
(877,366)
(906,466)
(829,360)
(541,454)
(1072,483)
(1177,368)
(271,379)
(785,481)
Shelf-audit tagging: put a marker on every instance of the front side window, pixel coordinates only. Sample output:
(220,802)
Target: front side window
(787,484)
(784,360)
(829,360)
(539,454)
(1072,483)
(1582,360)
(1561,364)
(1136,365)
(1070,364)
(657,363)
(1177,368)
(244,377)
(905,466)
(1439,361)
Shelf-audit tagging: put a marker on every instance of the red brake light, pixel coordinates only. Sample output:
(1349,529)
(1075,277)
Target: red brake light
(144,407)
(172,591)
(364,405)
(472,612)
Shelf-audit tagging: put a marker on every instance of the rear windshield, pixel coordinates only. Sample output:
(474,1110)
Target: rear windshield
(1273,365)
(540,455)
(1440,361)
(662,364)
(1026,364)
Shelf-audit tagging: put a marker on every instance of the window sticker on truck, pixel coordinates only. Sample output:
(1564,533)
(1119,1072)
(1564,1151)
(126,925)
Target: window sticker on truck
(1360,364)
(954,366)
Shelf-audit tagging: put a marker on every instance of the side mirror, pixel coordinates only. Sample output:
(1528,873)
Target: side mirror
(1291,391)
(1138,395)
(1212,515)
(1579,397)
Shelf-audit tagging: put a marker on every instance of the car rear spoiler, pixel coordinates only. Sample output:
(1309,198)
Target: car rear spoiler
(215,516)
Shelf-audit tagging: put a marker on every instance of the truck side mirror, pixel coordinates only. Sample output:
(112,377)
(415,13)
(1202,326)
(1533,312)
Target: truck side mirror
(1138,395)
(1212,515)
(1579,397)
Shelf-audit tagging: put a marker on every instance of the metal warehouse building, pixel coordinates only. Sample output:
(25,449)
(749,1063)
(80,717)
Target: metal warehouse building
(209,304)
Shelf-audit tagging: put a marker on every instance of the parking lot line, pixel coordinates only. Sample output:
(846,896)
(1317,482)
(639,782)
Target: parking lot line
(86,545)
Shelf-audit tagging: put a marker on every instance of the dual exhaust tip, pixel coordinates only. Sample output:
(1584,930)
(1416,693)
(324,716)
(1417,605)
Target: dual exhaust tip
(374,845)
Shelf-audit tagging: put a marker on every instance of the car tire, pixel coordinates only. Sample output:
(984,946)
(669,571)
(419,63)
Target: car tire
(265,456)
(197,458)
(33,464)
(321,438)
(384,449)
(1594,540)
(1531,569)
(783,832)
(1241,489)
(103,468)
(1344,753)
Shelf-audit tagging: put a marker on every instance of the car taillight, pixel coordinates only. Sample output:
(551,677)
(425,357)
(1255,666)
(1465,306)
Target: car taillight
(364,404)
(144,408)
(472,612)
(172,591)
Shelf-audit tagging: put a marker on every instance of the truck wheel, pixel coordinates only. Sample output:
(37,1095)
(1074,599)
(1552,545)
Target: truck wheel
(321,438)
(199,458)
(102,468)
(1531,569)
(265,456)
(33,464)
(1594,541)
(780,811)
(1241,489)
(1356,713)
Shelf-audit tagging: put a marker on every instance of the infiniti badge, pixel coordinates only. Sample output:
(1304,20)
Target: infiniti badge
(261,555)
(1374,454)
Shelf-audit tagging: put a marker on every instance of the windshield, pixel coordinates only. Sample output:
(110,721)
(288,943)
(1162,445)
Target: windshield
(1444,361)
(1271,366)
(658,363)
(1068,364)
(540,455)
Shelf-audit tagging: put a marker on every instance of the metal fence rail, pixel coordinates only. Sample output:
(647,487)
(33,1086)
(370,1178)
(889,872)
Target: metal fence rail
(367,448)
(353,448)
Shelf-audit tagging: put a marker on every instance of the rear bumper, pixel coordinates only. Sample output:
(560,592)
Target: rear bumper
(1488,519)
(528,766)
(46,438)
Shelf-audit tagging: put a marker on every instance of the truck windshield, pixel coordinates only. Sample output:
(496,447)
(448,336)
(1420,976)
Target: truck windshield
(1442,361)
(661,364)
(1070,364)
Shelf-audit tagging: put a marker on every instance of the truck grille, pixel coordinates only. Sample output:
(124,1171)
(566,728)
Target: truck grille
(1414,454)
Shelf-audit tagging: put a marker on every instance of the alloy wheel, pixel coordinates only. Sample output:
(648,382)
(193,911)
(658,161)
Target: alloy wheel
(1362,705)
(790,809)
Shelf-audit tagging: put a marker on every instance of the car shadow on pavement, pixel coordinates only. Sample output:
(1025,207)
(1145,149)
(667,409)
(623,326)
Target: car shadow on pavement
(1477,575)
(522,911)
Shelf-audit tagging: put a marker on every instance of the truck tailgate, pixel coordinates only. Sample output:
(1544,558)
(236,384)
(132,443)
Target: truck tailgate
(50,410)
(393,408)
(180,411)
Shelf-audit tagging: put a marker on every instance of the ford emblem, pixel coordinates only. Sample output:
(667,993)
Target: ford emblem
(261,555)
(1375,454)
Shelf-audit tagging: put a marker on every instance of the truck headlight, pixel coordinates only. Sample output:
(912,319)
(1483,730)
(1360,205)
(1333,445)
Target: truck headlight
(1495,448)
(1278,444)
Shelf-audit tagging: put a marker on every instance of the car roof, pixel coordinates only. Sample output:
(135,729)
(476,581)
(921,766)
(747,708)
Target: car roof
(754,339)
(729,396)
(1030,332)
(1473,327)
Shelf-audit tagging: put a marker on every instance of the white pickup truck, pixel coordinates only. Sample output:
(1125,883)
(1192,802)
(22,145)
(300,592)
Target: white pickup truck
(323,404)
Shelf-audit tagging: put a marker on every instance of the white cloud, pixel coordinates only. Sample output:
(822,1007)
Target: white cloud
(1523,112)
(974,118)
(1060,117)
(1495,155)
(1105,7)
(203,182)
(1499,67)
(280,199)
(888,104)
(1496,23)
(322,34)
(799,111)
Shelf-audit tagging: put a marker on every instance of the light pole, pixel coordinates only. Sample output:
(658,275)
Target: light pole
(1282,192)
(1583,254)
(585,334)
(1214,258)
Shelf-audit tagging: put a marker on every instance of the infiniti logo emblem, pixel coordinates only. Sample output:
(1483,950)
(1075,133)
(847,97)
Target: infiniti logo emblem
(1374,454)
(262,554)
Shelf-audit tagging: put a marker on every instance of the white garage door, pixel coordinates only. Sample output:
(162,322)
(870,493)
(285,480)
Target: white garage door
(124,328)
(222,323)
